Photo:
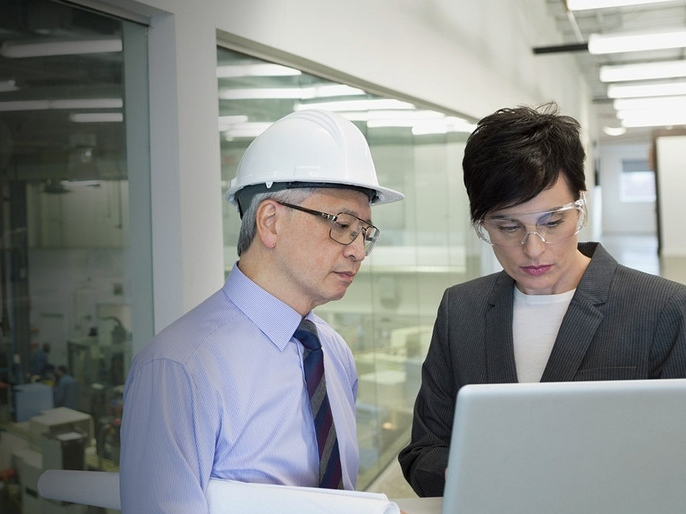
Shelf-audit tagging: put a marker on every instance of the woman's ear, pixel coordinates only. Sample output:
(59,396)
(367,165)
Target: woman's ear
(266,220)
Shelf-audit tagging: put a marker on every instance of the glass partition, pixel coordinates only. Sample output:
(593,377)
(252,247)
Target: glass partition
(387,314)
(73,110)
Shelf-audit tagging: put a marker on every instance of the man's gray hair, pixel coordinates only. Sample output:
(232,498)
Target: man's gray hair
(249,221)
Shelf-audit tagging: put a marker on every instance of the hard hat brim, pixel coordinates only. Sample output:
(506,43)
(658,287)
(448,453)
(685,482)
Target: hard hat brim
(241,196)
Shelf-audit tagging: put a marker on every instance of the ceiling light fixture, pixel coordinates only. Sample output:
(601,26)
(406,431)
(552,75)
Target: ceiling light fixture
(652,118)
(614,131)
(450,124)
(296,93)
(394,115)
(78,103)
(674,112)
(642,90)
(52,48)
(357,105)
(243,130)
(583,5)
(643,71)
(88,103)
(97,117)
(229,121)
(256,70)
(636,41)
(650,103)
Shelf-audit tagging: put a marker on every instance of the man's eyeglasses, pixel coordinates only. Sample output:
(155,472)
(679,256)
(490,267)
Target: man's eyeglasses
(551,226)
(345,227)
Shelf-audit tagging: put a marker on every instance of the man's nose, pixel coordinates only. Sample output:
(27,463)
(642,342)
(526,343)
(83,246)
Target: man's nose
(357,248)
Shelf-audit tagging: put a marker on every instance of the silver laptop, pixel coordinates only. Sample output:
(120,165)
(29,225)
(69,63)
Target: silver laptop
(573,447)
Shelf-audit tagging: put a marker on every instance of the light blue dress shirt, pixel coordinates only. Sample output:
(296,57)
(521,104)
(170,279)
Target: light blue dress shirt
(220,393)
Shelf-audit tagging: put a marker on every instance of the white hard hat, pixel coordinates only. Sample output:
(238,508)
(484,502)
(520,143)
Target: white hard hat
(308,148)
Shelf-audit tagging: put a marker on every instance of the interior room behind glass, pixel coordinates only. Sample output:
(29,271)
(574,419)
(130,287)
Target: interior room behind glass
(64,216)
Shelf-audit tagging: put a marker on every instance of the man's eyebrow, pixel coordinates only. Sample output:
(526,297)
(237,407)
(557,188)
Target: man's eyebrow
(352,213)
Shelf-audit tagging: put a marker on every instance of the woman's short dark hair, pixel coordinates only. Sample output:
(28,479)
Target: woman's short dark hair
(516,153)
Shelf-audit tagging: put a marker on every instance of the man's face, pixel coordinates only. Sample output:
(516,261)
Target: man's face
(318,269)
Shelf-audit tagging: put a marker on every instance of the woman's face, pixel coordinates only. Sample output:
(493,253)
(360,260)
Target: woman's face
(540,267)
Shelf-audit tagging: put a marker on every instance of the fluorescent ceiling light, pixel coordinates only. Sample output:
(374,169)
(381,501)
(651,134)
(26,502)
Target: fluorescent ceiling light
(260,93)
(97,117)
(614,131)
(652,118)
(51,48)
(673,111)
(381,123)
(226,122)
(256,70)
(420,121)
(81,183)
(295,93)
(650,103)
(25,105)
(641,90)
(233,119)
(358,105)
(88,103)
(643,71)
(44,105)
(582,5)
(250,129)
(450,124)
(402,115)
(636,41)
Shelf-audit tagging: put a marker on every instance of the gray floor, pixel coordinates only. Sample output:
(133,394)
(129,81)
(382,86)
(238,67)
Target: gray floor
(636,251)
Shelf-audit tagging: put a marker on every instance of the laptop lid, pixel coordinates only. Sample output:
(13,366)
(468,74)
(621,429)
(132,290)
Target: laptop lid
(573,447)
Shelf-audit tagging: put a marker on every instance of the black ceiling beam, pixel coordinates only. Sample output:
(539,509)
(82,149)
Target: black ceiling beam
(571,47)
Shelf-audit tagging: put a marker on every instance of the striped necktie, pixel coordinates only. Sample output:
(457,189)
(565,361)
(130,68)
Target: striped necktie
(330,475)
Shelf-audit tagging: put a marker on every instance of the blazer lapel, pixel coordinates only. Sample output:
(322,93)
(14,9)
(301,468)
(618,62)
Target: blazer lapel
(499,343)
(583,317)
(576,333)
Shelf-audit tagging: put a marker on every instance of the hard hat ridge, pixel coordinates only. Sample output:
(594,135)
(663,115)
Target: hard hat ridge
(308,148)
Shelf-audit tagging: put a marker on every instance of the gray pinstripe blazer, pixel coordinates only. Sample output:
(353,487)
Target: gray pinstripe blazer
(621,324)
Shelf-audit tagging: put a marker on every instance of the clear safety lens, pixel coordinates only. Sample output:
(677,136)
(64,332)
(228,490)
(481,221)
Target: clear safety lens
(550,226)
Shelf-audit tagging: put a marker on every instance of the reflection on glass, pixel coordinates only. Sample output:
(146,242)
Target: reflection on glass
(387,314)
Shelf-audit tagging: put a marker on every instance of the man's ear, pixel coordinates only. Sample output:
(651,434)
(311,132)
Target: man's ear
(266,221)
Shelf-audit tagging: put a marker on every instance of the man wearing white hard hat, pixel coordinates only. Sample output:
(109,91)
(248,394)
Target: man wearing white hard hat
(227,390)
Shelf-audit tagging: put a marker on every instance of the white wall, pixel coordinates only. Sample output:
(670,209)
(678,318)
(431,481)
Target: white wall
(671,165)
(620,217)
(468,56)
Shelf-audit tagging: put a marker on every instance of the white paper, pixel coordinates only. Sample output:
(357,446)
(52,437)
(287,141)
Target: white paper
(97,488)
(230,497)
(101,489)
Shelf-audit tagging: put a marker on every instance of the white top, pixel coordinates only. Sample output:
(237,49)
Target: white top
(536,321)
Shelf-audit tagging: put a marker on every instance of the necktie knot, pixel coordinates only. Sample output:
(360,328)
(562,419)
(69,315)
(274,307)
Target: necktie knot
(306,333)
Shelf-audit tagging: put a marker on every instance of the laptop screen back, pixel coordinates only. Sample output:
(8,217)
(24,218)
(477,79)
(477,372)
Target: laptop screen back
(573,447)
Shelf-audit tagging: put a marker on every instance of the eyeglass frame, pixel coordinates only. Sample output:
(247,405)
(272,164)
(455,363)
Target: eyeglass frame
(368,243)
(579,205)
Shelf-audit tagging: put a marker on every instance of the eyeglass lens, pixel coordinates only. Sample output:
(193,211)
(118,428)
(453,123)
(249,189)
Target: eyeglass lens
(552,227)
(347,227)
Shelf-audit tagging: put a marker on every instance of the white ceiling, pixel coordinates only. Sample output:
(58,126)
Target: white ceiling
(576,27)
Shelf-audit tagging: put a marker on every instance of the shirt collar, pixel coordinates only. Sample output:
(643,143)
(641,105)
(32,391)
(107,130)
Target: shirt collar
(273,317)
